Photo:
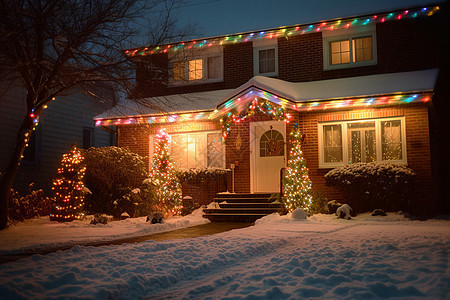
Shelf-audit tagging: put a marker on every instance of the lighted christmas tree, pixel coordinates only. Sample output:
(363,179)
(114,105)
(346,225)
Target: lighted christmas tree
(163,177)
(297,185)
(69,188)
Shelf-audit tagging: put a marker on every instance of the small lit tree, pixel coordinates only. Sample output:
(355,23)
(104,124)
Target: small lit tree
(68,187)
(163,176)
(297,185)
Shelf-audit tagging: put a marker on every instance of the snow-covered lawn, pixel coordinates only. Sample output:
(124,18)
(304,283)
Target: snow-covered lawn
(278,258)
(41,234)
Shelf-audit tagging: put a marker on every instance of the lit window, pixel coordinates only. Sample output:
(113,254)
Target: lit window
(271,144)
(198,150)
(346,48)
(380,140)
(195,69)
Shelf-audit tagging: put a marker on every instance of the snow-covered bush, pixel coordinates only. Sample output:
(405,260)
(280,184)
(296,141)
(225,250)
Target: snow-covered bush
(35,204)
(367,186)
(199,174)
(111,173)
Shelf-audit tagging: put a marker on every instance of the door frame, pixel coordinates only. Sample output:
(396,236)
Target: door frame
(254,148)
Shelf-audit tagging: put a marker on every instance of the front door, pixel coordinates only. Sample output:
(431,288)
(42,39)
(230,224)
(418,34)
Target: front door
(268,155)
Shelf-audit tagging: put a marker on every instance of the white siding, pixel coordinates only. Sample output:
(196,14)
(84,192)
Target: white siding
(60,126)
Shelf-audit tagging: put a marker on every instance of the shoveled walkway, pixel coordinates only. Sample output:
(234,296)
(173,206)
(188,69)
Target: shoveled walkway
(184,233)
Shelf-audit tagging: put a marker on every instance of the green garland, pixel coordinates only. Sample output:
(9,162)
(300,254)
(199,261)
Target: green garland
(256,107)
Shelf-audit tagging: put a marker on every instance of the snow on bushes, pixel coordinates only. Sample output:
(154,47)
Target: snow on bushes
(35,204)
(112,173)
(368,186)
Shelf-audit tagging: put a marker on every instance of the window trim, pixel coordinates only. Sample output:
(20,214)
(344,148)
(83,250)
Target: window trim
(259,45)
(344,136)
(347,34)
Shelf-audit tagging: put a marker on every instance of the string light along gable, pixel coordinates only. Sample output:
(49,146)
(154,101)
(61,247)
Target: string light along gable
(287,31)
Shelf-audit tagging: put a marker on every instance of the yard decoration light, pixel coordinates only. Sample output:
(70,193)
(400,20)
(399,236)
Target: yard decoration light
(68,186)
(163,176)
(297,185)
(286,31)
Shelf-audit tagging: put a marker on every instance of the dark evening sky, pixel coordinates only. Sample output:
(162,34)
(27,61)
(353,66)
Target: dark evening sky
(221,17)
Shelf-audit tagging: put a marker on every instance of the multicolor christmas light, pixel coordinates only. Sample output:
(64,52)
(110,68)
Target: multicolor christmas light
(258,106)
(163,177)
(235,102)
(288,31)
(297,185)
(68,186)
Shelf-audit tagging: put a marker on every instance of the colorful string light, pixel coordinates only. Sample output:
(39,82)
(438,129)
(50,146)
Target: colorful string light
(287,31)
(240,104)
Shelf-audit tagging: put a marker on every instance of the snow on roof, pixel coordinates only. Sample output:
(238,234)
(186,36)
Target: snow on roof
(172,104)
(382,84)
(371,85)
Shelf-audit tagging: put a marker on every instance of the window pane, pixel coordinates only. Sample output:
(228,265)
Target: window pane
(362,142)
(266,61)
(271,144)
(195,69)
(214,69)
(340,52)
(335,47)
(215,150)
(87,137)
(332,143)
(391,140)
(362,48)
(178,71)
(345,47)
(179,150)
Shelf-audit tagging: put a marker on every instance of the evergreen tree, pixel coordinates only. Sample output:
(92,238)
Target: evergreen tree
(297,185)
(68,187)
(163,177)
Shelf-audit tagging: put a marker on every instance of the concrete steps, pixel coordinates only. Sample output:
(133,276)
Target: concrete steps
(242,208)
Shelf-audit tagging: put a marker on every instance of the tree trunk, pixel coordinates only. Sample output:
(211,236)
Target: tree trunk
(7,178)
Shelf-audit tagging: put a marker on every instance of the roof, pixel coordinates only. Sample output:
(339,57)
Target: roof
(172,104)
(295,92)
(287,31)
(371,85)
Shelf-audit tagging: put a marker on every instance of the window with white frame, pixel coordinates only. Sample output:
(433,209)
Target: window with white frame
(197,150)
(346,48)
(376,140)
(203,67)
(265,57)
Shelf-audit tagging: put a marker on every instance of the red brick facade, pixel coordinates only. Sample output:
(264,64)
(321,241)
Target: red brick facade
(402,46)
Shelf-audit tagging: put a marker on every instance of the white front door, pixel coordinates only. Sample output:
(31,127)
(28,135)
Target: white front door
(268,155)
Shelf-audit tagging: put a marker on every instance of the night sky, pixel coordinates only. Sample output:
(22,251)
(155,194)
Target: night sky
(221,17)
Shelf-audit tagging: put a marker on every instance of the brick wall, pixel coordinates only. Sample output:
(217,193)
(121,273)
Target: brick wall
(401,46)
(417,143)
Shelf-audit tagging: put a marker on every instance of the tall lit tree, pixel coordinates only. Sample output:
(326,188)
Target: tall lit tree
(163,176)
(54,47)
(69,187)
(297,185)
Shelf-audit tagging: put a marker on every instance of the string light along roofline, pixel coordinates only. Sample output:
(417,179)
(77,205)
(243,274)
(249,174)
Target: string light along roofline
(286,31)
(310,105)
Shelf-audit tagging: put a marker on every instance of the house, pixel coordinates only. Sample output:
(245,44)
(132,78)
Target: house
(66,121)
(360,89)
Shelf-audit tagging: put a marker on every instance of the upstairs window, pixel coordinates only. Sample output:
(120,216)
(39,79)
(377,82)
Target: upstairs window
(195,69)
(187,68)
(379,140)
(265,57)
(352,49)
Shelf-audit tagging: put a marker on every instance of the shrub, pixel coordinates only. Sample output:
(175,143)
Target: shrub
(367,186)
(33,205)
(111,173)
(319,202)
